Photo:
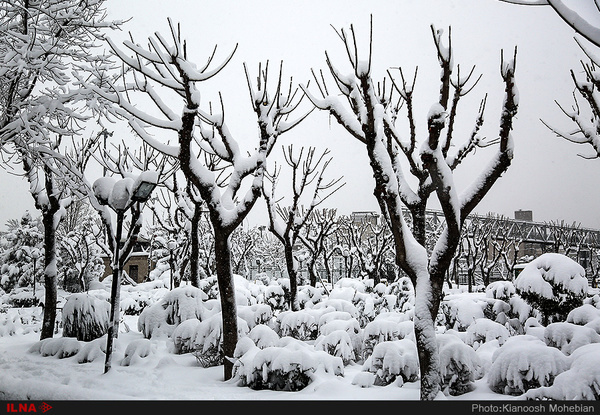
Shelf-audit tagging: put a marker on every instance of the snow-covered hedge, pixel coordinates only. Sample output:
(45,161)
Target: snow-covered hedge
(483,330)
(60,347)
(567,337)
(460,365)
(554,284)
(288,366)
(580,382)
(207,343)
(393,361)
(85,317)
(176,306)
(524,362)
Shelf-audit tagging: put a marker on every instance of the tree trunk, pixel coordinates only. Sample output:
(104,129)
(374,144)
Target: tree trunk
(50,273)
(293,275)
(115,295)
(227,296)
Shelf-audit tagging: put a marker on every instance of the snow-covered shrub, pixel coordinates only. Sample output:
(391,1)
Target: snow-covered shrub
(403,289)
(178,305)
(351,327)
(94,350)
(255,314)
(391,361)
(567,337)
(208,341)
(183,336)
(580,382)
(137,350)
(60,347)
(308,296)
(275,297)
(554,284)
(500,290)
(287,367)
(337,343)
(20,321)
(378,331)
(460,312)
(460,365)
(522,363)
(263,336)
(583,314)
(339,304)
(483,330)
(301,325)
(521,310)
(85,317)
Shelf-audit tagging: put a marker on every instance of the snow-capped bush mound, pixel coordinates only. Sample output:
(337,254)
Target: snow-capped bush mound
(339,304)
(283,368)
(522,363)
(60,347)
(308,296)
(580,382)
(395,360)
(376,332)
(337,343)
(554,284)
(460,365)
(500,290)
(263,336)
(583,314)
(460,312)
(567,337)
(178,305)
(94,350)
(404,291)
(20,321)
(274,296)
(85,317)
(255,314)
(208,340)
(483,330)
(183,336)
(136,351)
(301,325)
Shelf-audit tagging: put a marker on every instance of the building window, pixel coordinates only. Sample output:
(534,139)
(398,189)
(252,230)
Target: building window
(133,272)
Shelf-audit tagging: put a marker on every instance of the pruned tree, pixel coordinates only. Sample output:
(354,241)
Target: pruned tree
(369,111)
(288,222)
(209,156)
(317,237)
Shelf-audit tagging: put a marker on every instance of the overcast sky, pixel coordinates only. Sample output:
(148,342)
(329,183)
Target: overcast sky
(547,175)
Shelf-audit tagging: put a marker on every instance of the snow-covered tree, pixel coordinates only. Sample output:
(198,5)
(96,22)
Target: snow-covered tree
(41,43)
(21,252)
(287,222)
(368,110)
(209,156)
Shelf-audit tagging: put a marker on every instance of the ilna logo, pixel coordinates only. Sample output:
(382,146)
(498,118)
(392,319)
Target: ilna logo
(27,407)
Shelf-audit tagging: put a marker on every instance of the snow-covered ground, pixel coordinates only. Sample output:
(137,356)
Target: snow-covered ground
(150,369)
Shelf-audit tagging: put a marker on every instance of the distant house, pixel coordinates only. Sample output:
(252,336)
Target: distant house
(138,266)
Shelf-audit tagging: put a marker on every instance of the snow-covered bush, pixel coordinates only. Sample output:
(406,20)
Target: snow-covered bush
(263,336)
(275,296)
(583,315)
(94,350)
(137,350)
(522,363)
(500,290)
(286,367)
(208,340)
(337,343)
(483,330)
(403,289)
(60,347)
(554,284)
(255,314)
(85,317)
(391,361)
(183,336)
(567,337)
(459,312)
(460,365)
(176,306)
(580,382)
(301,325)
(20,321)
(308,296)
(378,331)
